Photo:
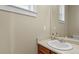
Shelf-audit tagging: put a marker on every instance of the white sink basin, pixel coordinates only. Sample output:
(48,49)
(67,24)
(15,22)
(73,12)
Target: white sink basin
(59,45)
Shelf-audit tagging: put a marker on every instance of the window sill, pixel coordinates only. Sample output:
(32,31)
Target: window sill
(17,10)
(61,21)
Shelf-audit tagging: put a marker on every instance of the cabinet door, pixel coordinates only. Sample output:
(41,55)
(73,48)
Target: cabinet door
(53,52)
(43,50)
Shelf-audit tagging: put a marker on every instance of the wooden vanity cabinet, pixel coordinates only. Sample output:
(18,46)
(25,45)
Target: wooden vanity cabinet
(44,50)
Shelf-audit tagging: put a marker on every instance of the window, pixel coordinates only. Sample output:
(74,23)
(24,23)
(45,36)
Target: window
(21,9)
(62,13)
(26,7)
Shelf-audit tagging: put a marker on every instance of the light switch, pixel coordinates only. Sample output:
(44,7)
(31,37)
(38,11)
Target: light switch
(44,27)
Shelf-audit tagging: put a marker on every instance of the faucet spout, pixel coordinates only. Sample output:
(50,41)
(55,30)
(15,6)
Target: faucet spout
(53,36)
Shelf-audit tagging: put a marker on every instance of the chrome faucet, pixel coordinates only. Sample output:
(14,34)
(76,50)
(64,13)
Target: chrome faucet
(53,35)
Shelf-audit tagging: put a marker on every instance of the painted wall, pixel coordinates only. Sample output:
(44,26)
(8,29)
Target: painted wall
(4,32)
(18,32)
(73,22)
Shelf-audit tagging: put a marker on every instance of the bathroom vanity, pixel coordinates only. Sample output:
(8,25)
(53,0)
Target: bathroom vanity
(44,48)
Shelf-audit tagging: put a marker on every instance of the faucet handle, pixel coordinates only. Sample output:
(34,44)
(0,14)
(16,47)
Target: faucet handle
(52,33)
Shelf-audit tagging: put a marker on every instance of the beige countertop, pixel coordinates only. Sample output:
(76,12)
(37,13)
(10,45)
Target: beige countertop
(74,50)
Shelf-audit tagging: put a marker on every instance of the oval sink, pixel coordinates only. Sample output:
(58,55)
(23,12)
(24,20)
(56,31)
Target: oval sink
(59,45)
